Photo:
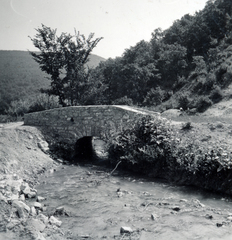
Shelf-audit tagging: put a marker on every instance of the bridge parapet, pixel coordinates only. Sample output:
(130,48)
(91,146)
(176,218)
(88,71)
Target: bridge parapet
(72,123)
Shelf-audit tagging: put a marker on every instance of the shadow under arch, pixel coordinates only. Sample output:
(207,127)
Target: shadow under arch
(90,149)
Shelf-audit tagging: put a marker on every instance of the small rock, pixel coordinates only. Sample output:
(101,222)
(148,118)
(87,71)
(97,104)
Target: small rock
(127,205)
(15,177)
(43,146)
(43,218)
(154,216)
(38,205)
(3,198)
(183,200)
(30,136)
(20,204)
(55,221)
(209,216)
(229,218)
(176,208)
(44,209)
(125,230)
(33,211)
(198,203)
(40,199)
(31,195)
(12,224)
(22,197)
(59,211)
(219,224)
(37,224)
(120,194)
(25,188)
(33,190)
(12,197)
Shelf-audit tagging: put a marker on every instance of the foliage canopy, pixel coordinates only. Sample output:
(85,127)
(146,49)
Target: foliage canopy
(63,58)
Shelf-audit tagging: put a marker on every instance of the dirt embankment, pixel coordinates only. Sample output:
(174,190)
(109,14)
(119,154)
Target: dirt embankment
(22,160)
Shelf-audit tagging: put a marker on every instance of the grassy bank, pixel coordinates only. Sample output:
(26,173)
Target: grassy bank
(187,153)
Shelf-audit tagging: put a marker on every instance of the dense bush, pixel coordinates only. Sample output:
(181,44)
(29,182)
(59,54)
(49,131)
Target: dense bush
(154,97)
(147,143)
(203,103)
(123,101)
(153,148)
(183,101)
(216,94)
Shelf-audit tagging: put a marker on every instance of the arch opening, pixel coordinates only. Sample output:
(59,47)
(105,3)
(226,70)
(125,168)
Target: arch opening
(91,149)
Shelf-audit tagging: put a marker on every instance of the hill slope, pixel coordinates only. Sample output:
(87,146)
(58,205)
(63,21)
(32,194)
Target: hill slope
(20,76)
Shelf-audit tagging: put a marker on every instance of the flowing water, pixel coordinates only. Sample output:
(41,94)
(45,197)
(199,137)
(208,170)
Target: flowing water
(99,204)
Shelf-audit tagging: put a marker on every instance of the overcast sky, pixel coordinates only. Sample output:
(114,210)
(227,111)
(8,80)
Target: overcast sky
(122,23)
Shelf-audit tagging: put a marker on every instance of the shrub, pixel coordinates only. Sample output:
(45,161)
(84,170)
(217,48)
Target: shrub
(183,101)
(187,126)
(44,102)
(205,84)
(216,94)
(203,103)
(151,147)
(155,97)
(18,108)
(147,143)
(123,101)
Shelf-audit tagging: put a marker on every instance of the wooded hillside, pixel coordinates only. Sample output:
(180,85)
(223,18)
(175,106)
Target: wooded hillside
(189,63)
(21,77)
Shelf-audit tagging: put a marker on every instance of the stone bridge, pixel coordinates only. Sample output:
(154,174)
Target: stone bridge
(69,124)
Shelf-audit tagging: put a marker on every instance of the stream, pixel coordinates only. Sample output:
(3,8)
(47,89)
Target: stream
(99,204)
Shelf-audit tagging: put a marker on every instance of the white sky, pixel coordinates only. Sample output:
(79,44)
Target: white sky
(122,23)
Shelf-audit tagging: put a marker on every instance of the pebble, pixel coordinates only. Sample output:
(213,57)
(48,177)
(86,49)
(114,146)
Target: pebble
(40,199)
(22,197)
(33,211)
(55,221)
(154,216)
(125,230)
(38,205)
(31,195)
(59,210)
(176,208)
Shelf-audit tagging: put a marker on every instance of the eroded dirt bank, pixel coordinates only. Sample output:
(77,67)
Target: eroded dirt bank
(42,199)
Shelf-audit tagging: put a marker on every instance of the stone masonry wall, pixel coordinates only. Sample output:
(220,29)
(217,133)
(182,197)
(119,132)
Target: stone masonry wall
(72,123)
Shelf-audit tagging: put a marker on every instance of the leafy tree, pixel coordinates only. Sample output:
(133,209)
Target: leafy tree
(63,58)
(154,97)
